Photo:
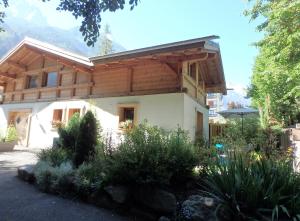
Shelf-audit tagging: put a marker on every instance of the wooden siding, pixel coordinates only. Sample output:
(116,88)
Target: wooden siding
(143,78)
(194,87)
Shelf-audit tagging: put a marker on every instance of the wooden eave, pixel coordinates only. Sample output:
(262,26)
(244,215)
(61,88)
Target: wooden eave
(201,50)
(27,51)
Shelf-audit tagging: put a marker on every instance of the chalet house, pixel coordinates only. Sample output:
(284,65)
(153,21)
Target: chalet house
(43,86)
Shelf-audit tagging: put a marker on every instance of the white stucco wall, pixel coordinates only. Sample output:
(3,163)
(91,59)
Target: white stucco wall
(165,110)
(190,115)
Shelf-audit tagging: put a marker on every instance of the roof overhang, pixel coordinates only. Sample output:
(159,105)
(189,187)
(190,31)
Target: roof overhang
(200,48)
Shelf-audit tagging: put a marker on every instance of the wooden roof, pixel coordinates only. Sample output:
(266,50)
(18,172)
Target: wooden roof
(203,50)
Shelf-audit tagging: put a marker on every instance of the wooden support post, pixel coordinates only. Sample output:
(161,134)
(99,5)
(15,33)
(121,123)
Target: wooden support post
(91,81)
(74,81)
(14,88)
(59,80)
(130,79)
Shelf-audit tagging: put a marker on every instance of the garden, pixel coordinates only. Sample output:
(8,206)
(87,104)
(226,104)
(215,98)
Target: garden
(155,174)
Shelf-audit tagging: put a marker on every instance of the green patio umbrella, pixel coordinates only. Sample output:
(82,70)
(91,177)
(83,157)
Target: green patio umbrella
(239,112)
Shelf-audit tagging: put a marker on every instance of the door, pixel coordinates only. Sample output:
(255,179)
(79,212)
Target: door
(199,125)
(20,119)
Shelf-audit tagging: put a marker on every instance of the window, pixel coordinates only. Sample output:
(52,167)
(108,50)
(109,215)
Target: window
(50,79)
(72,111)
(193,70)
(127,116)
(57,118)
(32,81)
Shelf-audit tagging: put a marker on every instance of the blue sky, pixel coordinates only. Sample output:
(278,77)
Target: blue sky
(155,22)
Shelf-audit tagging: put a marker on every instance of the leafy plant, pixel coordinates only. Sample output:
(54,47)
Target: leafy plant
(149,155)
(54,156)
(51,178)
(11,134)
(255,190)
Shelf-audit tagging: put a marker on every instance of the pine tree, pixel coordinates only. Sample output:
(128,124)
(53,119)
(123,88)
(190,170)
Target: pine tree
(106,42)
(87,139)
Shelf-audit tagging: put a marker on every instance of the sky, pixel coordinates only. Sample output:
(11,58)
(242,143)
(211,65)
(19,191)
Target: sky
(155,22)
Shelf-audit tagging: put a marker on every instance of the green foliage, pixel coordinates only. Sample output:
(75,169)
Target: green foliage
(276,77)
(54,156)
(55,179)
(149,155)
(68,135)
(11,134)
(87,138)
(255,190)
(80,137)
(89,177)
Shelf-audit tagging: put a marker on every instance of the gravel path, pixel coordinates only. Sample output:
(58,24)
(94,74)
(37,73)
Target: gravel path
(20,201)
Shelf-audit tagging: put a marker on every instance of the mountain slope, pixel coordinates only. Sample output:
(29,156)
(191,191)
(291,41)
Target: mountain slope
(27,20)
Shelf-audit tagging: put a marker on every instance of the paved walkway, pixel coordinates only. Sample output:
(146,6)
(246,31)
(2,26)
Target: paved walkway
(20,201)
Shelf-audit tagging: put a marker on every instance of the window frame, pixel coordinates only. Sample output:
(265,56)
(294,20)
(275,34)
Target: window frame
(69,109)
(28,80)
(190,64)
(122,107)
(46,79)
(56,123)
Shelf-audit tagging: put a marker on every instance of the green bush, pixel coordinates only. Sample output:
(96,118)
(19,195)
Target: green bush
(68,135)
(255,190)
(88,178)
(11,134)
(54,156)
(87,138)
(149,155)
(51,178)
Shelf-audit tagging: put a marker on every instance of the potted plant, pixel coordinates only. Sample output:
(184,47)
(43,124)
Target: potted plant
(8,142)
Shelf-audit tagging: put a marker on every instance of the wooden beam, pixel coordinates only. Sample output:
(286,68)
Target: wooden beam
(130,79)
(74,81)
(171,69)
(8,76)
(175,59)
(17,65)
(63,61)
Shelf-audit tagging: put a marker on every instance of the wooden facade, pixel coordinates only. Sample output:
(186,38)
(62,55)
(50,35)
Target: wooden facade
(24,73)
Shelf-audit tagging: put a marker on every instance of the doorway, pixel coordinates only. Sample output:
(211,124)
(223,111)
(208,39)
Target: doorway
(199,125)
(21,120)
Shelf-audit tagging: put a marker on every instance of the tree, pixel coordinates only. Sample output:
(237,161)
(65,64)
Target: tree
(87,138)
(276,73)
(90,12)
(106,42)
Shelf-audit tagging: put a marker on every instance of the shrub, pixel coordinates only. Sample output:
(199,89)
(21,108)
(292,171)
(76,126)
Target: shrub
(11,134)
(68,135)
(54,156)
(259,190)
(88,178)
(149,155)
(53,178)
(87,138)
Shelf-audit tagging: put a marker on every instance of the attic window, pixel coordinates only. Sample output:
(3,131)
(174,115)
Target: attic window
(32,81)
(50,79)
(193,70)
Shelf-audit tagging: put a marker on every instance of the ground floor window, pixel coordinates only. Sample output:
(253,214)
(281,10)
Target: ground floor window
(127,116)
(57,118)
(73,111)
